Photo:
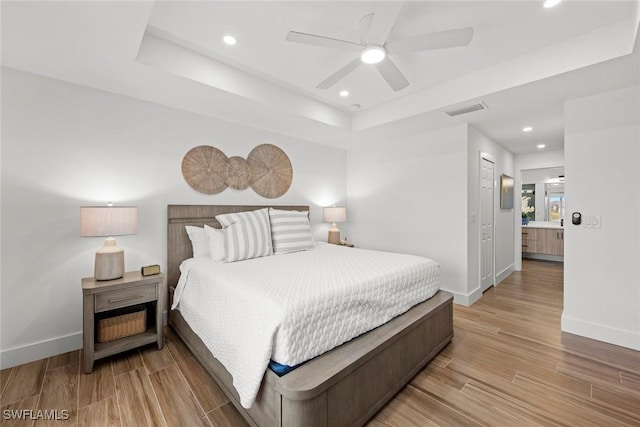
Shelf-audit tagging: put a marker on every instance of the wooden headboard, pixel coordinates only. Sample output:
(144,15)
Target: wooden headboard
(178,243)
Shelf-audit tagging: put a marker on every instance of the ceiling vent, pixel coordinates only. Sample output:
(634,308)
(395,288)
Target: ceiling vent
(467,109)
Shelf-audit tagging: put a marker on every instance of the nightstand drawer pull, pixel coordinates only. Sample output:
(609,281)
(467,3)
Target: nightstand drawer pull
(124,297)
(112,301)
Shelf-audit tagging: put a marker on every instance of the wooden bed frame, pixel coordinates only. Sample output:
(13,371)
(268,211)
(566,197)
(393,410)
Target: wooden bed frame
(343,387)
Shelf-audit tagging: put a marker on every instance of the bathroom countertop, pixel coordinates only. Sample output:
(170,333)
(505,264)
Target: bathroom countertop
(543,224)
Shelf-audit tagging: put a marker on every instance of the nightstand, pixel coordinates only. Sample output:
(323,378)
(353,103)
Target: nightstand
(105,297)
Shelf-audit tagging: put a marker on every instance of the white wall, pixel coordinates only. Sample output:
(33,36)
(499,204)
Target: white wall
(64,146)
(503,218)
(407,196)
(416,195)
(602,152)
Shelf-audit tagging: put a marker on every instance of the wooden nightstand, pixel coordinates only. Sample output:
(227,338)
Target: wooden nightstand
(105,296)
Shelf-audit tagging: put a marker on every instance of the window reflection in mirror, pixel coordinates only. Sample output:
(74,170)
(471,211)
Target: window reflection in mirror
(554,201)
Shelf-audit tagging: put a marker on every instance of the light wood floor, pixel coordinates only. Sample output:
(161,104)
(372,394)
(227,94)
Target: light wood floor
(508,364)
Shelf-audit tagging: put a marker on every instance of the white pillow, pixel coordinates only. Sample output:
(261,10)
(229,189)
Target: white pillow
(199,243)
(246,235)
(290,231)
(215,239)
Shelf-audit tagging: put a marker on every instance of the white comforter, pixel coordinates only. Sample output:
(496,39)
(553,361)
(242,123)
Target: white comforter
(293,307)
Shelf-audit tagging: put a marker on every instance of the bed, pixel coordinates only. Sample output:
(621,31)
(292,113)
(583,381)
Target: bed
(343,387)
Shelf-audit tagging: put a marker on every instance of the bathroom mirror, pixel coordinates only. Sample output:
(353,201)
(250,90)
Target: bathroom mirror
(543,194)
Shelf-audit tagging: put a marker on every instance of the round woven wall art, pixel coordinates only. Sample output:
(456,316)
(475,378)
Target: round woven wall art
(203,168)
(237,173)
(271,169)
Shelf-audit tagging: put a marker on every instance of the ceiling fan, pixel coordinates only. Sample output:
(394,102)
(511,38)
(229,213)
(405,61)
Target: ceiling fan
(374,48)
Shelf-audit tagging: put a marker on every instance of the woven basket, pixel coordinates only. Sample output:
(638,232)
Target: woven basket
(122,325)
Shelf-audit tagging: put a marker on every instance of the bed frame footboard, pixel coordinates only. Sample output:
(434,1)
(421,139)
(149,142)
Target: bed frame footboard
(347,385)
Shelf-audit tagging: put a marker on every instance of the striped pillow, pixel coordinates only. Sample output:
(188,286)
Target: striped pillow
(290,231)
(246,235)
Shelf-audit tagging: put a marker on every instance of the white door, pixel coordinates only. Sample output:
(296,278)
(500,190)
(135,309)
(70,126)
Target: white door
(486,224)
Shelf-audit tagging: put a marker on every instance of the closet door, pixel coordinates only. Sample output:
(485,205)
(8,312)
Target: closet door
(486,223)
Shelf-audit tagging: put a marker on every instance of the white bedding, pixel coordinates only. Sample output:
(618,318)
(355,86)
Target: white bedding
(293,307)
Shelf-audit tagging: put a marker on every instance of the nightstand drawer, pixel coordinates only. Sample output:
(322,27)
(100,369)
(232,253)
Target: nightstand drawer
(125,297)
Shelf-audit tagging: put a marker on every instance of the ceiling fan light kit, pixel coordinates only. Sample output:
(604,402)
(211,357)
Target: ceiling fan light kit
(373,54)
(375,48)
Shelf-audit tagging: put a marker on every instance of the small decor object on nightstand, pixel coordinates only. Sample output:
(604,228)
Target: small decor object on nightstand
(108,221)
(150,270)
(344,242)
(333,215)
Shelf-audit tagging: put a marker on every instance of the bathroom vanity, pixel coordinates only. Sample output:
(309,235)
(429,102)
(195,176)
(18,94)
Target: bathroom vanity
(543,240)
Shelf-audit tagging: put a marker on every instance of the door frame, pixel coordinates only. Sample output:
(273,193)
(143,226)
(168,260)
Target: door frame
(492,159)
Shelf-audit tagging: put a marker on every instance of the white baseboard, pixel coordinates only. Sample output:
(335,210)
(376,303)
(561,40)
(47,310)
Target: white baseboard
(39,350)
(465,299)
(505,273)
(46,348)
(476,294)
(596,331)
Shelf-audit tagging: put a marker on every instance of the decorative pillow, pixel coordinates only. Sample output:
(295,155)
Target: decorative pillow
(290,231)
(199,242)
(215,239)
(246,235)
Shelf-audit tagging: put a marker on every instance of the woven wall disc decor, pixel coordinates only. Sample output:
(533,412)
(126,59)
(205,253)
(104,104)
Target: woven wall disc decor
(203,169)
(272,171)
(237,173)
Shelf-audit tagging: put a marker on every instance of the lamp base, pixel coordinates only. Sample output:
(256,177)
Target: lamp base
(109,263)
(334,237)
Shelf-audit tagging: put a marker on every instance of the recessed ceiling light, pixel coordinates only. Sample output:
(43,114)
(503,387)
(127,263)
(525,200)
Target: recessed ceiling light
(551,3)
(373,54)
(527,129)
(230,40)
(344,93)
(540,146)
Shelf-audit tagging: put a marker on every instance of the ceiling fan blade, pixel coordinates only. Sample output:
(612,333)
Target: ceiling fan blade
(392,74)
(340,74)
(385,17)
(365,27)
(441,40)
(294,36)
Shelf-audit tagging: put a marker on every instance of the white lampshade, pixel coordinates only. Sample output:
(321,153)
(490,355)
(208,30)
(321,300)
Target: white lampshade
(335,214)
(108,221)
(103,221)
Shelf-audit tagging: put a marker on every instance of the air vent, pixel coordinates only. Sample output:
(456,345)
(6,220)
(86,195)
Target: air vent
(467,109)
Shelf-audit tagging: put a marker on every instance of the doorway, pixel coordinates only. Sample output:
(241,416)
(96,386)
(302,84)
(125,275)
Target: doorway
(543,212)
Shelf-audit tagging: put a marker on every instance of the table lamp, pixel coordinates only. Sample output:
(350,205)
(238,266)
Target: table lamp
(108,221)
(334,215)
